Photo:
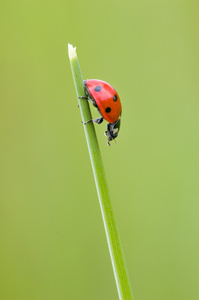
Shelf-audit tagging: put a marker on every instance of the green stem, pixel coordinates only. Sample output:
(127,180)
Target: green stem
(117,257)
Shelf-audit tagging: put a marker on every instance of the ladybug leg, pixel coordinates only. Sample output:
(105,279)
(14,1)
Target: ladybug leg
(88,122)
(87,98)
(98,121)
(82,97)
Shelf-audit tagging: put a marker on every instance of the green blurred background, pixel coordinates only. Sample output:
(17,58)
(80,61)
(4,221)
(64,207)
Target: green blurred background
(52,240)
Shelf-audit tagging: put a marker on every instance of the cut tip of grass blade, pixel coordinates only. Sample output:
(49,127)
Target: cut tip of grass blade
(71,51)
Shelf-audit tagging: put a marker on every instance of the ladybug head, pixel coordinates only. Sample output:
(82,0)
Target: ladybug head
(112,130)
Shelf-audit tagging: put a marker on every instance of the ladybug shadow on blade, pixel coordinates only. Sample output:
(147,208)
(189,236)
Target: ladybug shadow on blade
(105,98)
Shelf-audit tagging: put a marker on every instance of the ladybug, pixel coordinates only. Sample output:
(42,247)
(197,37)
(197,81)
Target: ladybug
(105,98)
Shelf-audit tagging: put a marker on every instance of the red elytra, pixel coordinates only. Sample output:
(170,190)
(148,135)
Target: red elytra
(106,99)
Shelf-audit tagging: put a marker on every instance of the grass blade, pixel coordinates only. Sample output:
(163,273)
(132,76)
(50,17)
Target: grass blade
(117,257)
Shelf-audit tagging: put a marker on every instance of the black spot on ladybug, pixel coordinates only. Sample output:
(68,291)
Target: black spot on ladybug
(98,88)
(108,109)
(115,98)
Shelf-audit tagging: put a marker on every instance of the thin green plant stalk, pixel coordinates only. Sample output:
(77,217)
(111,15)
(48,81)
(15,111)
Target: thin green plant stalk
(117,257)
